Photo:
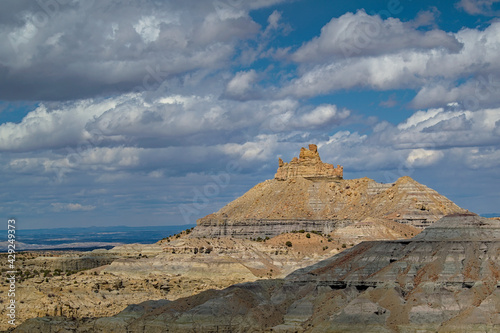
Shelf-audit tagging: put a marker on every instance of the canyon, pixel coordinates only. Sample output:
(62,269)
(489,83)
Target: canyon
(444,279)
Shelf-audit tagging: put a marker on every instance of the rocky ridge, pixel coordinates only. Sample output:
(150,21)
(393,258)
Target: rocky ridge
(309,194)
(443,280)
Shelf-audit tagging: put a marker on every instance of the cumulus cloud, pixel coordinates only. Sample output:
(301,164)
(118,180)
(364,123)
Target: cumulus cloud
(241,86)
(259,150)
(430,65)
(287,116)
(60,127)
(440,128)
(160,95)
(79,49)
(323,115)
(423,157)
(479,92)
(360,34)
(131,134)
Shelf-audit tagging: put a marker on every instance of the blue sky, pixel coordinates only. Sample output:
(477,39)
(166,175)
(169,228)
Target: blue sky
(160,112)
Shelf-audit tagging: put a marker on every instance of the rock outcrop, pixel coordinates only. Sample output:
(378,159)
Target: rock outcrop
(309,166)
(443,280)
(311,195)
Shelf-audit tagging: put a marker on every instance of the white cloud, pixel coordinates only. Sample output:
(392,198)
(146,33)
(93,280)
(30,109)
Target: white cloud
(426,64)
(476,93)
(427,118)
(274,19)
(84,49)
(57,128)
(58,206)
(148,27)
(130,134)
(361,34)
(440,128)
(259,150)
(323,115)
(241,86)
(423,157)
(86,128)
(108,158)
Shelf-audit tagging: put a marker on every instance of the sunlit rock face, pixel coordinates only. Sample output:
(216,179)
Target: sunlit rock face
(308,165)
(307,194)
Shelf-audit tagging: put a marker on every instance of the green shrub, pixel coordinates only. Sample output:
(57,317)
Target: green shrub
(288,243)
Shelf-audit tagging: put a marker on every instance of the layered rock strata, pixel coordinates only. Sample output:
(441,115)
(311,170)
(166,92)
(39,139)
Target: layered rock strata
(443,280)
(309,194)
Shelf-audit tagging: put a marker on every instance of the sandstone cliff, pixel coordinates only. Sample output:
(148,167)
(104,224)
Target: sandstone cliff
(443,280)
(309,194)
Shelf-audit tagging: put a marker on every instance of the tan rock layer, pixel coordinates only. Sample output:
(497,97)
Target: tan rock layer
(273,207)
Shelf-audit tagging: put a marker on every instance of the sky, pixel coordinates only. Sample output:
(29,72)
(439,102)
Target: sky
(151,112)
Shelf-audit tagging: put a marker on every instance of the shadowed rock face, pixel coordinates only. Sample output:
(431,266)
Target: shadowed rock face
(432,283)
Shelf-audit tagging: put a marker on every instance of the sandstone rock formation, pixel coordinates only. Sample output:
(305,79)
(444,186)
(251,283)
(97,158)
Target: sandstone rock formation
(309,194)
(309,166)
(443,280)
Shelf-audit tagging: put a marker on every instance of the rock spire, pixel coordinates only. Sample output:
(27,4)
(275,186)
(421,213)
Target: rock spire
(309,166)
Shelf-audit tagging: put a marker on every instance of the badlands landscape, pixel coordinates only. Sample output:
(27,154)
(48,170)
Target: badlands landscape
(307,251)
